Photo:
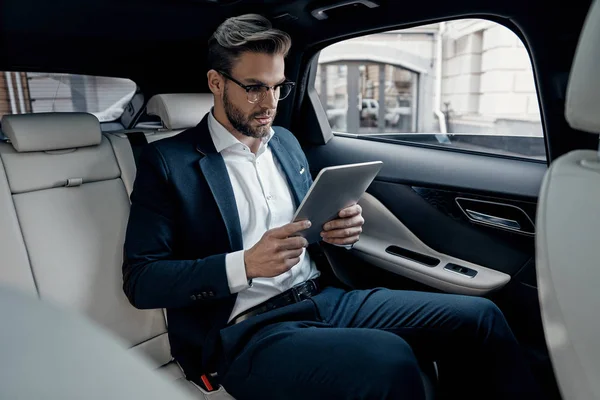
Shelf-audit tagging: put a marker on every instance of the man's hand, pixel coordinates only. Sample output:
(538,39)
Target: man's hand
(276,252)
(346,229)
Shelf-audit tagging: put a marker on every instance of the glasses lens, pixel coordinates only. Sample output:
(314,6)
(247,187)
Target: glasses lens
(256,94)
(285,90)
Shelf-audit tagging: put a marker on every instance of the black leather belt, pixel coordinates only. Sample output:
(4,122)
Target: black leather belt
(302,291)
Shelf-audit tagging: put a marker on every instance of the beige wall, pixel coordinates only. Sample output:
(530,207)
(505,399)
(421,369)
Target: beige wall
(4,99)
(487,73)
(5,104)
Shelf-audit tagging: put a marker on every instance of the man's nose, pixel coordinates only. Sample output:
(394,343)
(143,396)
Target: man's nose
(269,100)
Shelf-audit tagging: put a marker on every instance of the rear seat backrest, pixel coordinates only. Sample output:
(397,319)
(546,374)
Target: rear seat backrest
(178,111)
(67,182)
(14,267)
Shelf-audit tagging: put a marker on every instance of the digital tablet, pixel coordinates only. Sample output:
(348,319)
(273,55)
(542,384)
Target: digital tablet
(334,189)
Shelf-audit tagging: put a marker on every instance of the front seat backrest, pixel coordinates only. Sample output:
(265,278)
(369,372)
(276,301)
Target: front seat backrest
(53,354)
(568,240)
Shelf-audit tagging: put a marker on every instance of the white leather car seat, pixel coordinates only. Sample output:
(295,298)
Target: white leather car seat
(568,241)
(178,111)
(72,209)
(64,207)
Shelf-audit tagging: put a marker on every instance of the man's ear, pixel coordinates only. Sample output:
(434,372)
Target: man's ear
(215,82)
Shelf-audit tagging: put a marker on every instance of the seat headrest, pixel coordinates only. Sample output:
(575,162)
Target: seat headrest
(51,131)
(180,110)
(582,109)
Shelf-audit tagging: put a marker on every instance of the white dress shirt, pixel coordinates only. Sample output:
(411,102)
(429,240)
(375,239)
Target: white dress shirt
(264,201)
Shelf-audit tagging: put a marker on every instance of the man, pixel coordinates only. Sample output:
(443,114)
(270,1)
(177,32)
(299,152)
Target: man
(209,239)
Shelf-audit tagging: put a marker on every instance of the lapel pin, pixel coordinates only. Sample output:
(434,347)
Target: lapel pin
(302,171)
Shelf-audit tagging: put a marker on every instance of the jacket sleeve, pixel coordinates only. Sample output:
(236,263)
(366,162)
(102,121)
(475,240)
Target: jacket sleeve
(152,276)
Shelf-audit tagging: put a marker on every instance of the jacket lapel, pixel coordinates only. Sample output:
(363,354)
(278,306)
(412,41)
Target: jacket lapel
(216,175)
(291,168)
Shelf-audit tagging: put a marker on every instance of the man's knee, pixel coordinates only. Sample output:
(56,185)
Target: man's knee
(389,369)
(484,316)
(485,307)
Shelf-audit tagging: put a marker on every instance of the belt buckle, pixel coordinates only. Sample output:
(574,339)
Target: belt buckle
(296,295)
(300,292)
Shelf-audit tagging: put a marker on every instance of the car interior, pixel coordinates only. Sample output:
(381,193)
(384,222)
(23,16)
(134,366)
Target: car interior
(518,230)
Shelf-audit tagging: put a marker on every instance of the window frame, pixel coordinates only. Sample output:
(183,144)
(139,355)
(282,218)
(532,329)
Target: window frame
(310,94)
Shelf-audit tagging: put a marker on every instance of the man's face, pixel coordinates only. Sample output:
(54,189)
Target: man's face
(250,119)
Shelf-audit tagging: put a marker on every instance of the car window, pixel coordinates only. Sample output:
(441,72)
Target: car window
(28,92)
(465,84)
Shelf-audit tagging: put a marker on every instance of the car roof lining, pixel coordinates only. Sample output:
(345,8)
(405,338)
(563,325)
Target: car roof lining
(84,37)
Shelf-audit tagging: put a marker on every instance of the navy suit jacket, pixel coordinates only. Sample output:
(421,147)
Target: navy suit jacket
(183,221)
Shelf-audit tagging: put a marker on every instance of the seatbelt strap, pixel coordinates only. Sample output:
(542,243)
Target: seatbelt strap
(137,140)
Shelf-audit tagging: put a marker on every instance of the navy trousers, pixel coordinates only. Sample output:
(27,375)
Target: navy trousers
(364,344)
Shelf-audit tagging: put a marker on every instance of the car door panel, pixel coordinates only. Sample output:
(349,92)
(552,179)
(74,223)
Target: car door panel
(449,235)
(383,232)
(419,187)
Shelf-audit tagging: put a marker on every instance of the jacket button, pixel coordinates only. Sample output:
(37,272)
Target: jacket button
(211,294)
(193,297)
(204,294)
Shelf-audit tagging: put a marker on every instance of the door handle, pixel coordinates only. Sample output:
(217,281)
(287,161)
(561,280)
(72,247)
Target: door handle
(321,12)
(493,220)
(503,216)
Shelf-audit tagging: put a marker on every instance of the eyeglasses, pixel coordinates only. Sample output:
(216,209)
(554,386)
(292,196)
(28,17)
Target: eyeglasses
(257,93)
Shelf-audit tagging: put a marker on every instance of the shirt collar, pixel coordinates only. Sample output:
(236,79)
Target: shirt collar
(223,139)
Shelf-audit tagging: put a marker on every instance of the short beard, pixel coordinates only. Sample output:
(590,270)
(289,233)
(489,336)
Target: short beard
(242,124)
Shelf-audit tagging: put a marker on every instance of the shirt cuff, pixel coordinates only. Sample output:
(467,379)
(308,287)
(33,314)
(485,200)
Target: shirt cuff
(236,272)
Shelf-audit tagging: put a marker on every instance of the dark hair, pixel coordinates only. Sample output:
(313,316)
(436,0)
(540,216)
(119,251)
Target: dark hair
(245,33)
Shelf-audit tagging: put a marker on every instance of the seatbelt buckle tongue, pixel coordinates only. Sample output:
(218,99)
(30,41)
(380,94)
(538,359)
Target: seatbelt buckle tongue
(207,384)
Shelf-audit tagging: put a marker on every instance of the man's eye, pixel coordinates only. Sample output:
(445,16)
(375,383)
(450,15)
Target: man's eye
(255,89)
